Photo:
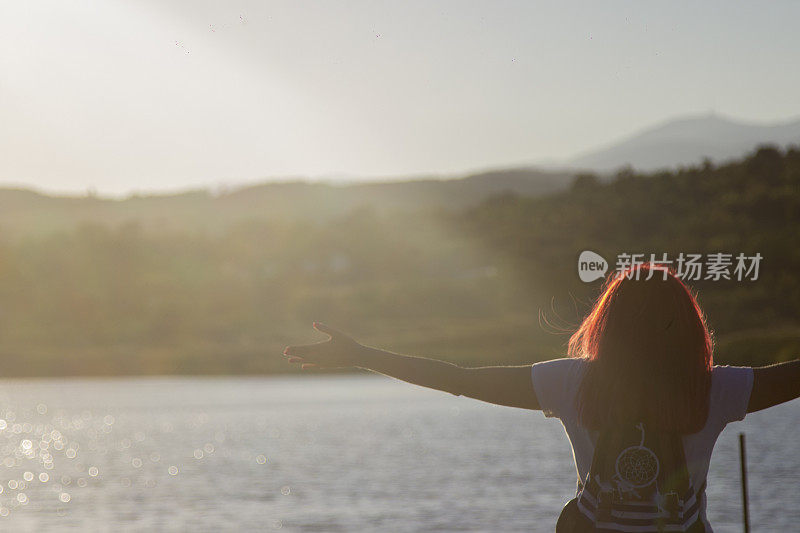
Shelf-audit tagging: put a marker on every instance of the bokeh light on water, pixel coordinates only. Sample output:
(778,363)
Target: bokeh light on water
(144,454)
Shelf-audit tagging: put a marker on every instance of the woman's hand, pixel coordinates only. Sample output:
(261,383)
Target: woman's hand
(339,351)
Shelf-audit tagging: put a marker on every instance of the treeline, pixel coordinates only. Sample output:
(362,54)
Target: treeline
(493,283)
(750,206)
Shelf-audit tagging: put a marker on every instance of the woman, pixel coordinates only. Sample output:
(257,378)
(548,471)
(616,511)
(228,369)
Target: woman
(639,398)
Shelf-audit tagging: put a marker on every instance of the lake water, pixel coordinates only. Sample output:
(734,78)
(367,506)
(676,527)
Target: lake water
(321,453)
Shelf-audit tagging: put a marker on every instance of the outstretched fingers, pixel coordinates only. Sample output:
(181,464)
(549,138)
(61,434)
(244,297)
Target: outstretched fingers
(301,350)
(299,353)
(333,332)
(303,364)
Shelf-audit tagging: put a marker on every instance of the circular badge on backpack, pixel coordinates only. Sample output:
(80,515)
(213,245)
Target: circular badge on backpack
(637,466)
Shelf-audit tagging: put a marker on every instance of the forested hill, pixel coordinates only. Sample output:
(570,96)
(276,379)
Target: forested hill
(25,212)
(751,206)
(468,284)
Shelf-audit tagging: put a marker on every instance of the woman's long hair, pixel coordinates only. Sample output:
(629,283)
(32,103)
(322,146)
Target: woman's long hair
(649,354)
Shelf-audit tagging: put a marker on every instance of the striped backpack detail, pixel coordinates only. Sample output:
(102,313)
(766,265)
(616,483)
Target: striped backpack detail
(638,482)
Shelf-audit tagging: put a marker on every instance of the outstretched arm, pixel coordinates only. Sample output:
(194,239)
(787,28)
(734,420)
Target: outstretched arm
(774,384)
(502,385)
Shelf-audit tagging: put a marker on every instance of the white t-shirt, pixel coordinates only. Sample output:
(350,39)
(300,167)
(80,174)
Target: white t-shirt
(556,386)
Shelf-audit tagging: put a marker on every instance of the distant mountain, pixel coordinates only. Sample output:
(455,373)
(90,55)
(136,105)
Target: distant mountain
(687,141)
(25,212)
(680,142)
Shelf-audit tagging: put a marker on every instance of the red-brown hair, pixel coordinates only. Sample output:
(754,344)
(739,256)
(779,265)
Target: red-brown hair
(649,353)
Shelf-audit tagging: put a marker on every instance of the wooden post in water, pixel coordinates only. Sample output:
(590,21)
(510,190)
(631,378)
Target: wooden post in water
(743,463)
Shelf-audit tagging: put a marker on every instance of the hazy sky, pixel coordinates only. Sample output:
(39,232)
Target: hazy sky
(160,95)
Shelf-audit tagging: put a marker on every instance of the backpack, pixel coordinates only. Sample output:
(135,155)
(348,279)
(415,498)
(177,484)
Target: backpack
(638,482)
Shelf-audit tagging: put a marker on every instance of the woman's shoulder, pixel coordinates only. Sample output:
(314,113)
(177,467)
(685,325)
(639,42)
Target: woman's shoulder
(556,383)
(564,365)
(559,372)
(726,371)
(731,387)
(729,380)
